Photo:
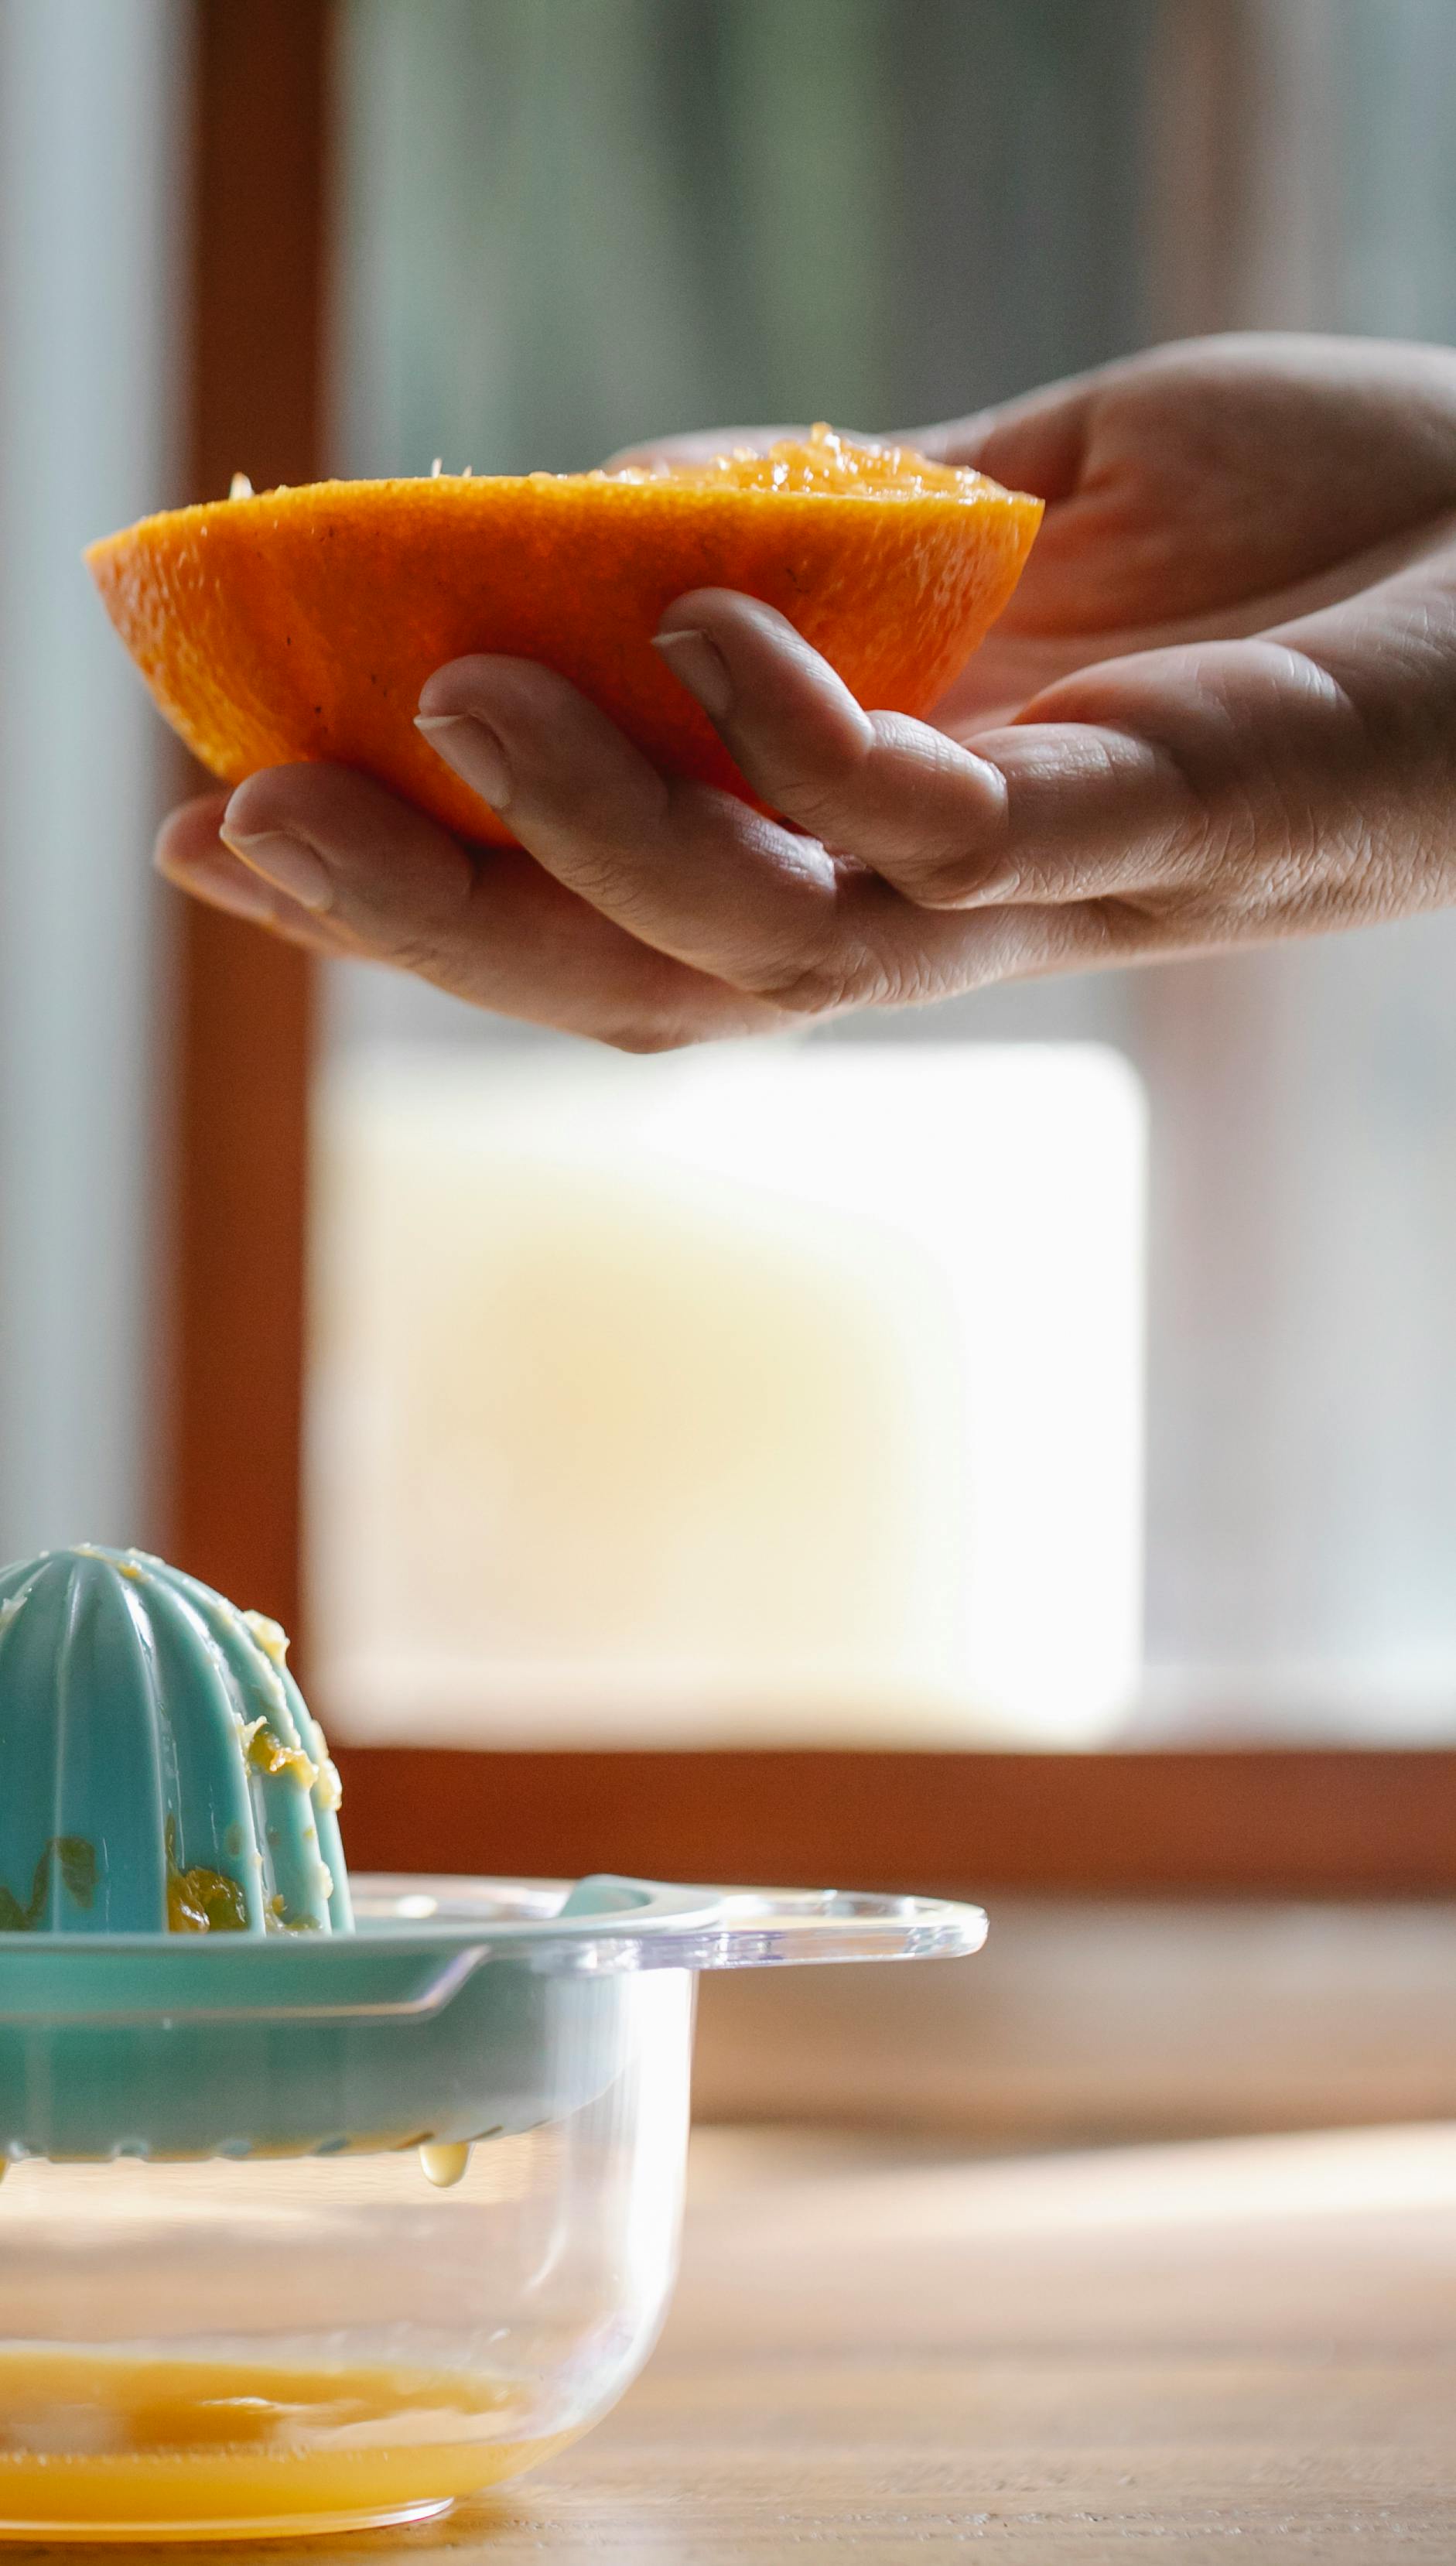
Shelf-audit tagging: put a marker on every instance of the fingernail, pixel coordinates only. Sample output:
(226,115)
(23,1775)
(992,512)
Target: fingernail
(229,887)
(701,666)
(473,750)
(286,863)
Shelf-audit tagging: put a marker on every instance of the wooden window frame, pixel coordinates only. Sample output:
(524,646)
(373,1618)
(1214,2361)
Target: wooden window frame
(233,1290)
(1309,1822)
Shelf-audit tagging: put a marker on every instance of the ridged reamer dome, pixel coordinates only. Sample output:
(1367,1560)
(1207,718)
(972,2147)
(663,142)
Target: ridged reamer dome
(159,1770)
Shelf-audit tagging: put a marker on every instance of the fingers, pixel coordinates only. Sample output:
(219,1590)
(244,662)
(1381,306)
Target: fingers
(1051,814)
(903,828)
(692,871)
(1173,775)
(695,871)
(190,855)
(343,867)
(893,794)
(704,877)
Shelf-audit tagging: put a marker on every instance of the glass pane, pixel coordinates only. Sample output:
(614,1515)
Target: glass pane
(91,139)
(562,230)
(736,1396)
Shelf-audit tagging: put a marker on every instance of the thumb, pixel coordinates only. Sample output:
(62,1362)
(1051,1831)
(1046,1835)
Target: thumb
(1220,775)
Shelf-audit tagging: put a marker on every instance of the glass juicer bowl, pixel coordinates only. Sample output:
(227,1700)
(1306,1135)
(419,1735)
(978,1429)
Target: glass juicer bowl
(308,2234)
(327,2201)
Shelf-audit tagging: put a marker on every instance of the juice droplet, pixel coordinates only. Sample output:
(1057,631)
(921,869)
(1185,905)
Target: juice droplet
(445,2163)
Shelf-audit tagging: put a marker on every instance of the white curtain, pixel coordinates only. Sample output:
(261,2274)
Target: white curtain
(88,231)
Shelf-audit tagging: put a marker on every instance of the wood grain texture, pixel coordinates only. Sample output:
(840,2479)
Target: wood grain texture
(1285,1823)
(1085,2022)
(1243,2350)
(244,1022)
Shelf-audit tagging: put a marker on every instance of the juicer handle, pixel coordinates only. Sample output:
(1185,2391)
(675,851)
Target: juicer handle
(755,1928)
(809,1925)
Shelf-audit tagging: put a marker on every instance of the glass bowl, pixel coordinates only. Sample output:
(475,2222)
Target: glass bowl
(322,2233)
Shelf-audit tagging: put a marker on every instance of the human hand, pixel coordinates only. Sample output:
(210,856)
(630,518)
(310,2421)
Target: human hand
(1220,708)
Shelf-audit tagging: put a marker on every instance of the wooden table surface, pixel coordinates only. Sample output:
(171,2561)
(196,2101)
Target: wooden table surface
(1238,2352)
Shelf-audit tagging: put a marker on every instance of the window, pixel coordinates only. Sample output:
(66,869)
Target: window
(770,207)
(740,1399)
(779,1394)
(90,136)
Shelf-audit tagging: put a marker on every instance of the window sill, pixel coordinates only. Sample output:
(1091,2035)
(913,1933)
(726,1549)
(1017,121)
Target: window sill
(1083,2022)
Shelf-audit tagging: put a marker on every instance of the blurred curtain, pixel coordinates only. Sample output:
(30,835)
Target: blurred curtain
(576,222)
(1302,1396)
(90,183)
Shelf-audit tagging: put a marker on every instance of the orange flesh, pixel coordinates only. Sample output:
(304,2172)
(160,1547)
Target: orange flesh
(302,623)
(833,465)
(95,2447)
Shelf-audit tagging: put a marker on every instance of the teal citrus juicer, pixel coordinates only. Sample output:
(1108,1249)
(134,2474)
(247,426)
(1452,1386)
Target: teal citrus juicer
(326,2203)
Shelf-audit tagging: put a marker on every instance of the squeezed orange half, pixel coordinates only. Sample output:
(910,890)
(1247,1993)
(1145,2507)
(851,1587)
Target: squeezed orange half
(289,625)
